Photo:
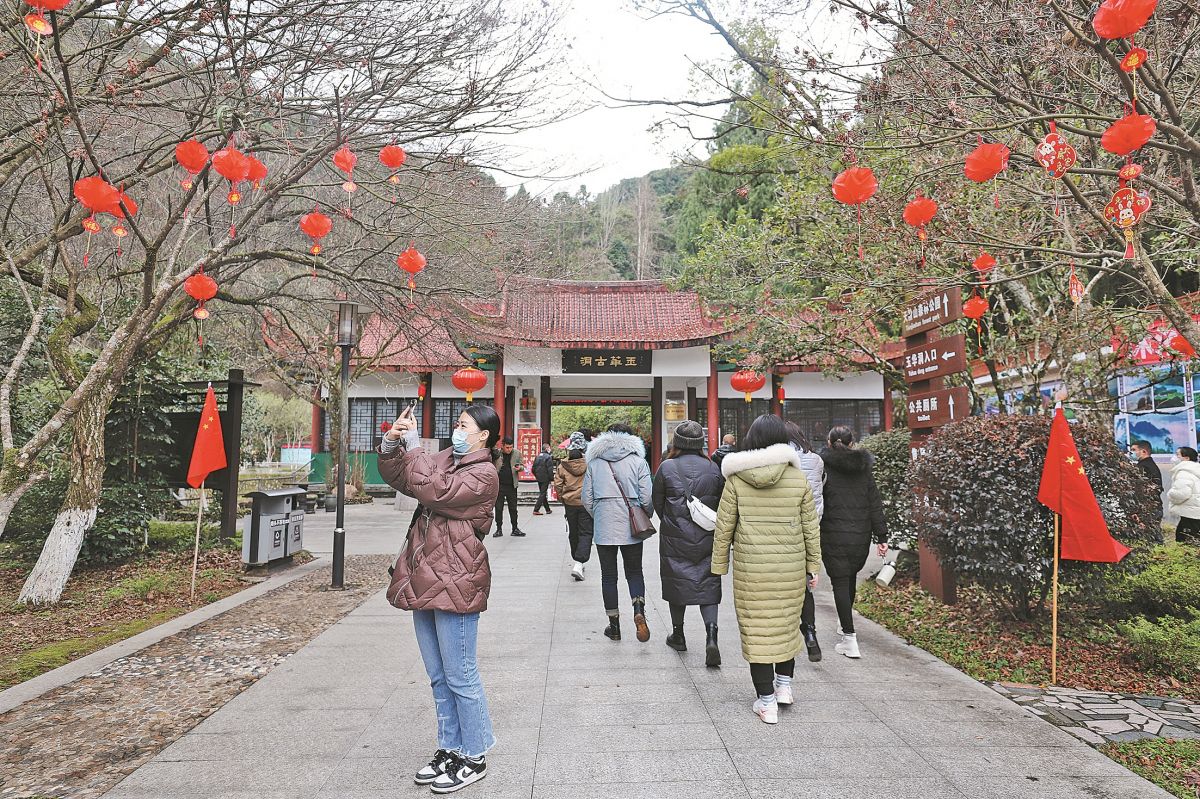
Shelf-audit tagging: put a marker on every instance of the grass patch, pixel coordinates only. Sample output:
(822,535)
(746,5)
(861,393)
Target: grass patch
(1170,764)
(143,587)
(47,658)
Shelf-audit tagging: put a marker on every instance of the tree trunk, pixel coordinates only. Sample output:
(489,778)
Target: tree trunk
(78,511)
(9,499)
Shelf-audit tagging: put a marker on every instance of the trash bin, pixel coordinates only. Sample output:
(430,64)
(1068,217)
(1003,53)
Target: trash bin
(275,526)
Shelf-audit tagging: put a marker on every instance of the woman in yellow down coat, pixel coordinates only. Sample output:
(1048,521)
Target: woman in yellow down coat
(768,518)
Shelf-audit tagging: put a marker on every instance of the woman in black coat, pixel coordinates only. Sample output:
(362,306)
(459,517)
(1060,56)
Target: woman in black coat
(853,517)
(685,548)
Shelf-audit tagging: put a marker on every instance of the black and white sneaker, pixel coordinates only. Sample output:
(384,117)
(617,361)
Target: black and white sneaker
(434,768)
(460,773)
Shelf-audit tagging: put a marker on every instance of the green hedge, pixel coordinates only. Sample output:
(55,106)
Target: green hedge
(1169,646)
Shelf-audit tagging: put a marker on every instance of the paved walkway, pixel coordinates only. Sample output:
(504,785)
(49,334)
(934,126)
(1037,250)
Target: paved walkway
(1100,717)
(350,716)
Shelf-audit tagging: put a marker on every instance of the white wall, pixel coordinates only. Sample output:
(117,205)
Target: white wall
(814,385)
(394,385)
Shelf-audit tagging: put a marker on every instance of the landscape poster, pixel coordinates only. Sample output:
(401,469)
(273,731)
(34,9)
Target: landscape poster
(1164,431)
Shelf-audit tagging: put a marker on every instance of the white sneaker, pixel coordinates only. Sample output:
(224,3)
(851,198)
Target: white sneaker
(783,694)
(848,645)
(767,712)
(577,571)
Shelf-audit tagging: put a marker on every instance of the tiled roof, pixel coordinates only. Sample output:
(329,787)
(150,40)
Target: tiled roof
(570,314)
(422,344)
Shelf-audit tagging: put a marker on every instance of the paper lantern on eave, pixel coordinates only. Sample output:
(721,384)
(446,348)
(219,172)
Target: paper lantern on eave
(316,226)
(1129,133)
(469,380)
(1119,19)
(393,157)
(747,381)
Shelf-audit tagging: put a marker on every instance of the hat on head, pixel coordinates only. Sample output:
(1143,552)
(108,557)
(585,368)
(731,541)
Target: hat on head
(689,435)
(577,441)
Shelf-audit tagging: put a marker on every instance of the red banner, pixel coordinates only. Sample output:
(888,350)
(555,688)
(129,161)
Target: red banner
(529,444)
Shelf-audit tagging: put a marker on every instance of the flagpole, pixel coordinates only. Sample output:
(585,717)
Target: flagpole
(1054,607)
(196,550)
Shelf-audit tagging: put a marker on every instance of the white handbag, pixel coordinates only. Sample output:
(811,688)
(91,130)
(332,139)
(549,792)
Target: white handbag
(704,516)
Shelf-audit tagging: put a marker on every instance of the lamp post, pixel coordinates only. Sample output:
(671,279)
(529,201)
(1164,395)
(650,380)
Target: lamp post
(347,338)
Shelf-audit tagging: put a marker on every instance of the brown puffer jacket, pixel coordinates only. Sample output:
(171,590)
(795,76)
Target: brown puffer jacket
(444,565)
(568,481)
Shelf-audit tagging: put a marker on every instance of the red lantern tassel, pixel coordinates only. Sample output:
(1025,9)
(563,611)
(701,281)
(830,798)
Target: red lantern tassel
(858,209)
(996,198)
(979,335)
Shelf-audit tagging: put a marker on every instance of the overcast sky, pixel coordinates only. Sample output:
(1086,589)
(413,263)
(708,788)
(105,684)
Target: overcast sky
(625,55)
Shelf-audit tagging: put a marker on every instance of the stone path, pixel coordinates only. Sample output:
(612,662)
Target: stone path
(1099,717)
(349,716)
(83,738)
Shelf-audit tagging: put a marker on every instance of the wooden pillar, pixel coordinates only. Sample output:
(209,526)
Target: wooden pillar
(498,394)
(889,410)
(656,421)
(509,416)
(776,403)
(426,379)
(232,434)
(692,404)
(544,410)
(318,427)
(714,408)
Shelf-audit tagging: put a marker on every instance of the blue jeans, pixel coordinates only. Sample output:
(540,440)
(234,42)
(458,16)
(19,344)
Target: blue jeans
(447,642)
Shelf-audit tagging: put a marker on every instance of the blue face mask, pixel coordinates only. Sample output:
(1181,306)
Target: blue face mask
(458,440)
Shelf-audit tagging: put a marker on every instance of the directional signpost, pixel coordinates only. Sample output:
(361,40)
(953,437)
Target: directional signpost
(928,360)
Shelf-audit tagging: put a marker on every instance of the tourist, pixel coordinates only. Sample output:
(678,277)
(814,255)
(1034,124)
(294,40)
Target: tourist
(768,517)
(1147,466)
(543,472)
(616,470)
(685,549)
(853,517)
(508,465)
(728,444)
(1184,495)
(814,470)
(568,482)
(448,587)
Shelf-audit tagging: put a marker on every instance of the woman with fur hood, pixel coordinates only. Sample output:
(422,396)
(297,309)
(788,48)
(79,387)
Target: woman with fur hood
(1184,496)
(616,464)
(767,516)
(853,517)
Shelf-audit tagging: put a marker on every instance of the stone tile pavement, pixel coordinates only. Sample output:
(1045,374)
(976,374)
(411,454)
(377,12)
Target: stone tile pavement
(1099,717)
(349,716)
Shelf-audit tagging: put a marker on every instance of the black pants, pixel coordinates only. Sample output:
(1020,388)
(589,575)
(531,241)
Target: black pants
(844,588)
(707,612)
(808,614)
(579,522)
(1187,529)
(763,675)
(508,493)
(542,501)
(632,555)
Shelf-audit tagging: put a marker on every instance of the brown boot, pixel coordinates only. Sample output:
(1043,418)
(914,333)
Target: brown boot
(639,620)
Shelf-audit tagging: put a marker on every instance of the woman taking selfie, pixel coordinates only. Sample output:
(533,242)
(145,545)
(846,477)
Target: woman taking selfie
(443,577)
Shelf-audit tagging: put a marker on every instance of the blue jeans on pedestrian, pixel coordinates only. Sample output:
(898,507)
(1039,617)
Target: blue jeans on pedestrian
(447,641)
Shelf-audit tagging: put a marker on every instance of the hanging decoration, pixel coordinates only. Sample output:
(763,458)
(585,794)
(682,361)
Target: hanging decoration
(984,263)
(201,288)
(854,186)
(918,213)
(92,226)
(1054,153)
(469,380)
(192,155)
(1134,59)
(985,162)
(975,308)
(234,166)
(747,381)
(1177,343)
(316,226)
(422,390)
(124,201)
(1121,19)
(345,159)
(1075,287)
(256,173)
(1126,209)
(1129,133)
(39,26)
(412,262)
(97,195)
(393,157)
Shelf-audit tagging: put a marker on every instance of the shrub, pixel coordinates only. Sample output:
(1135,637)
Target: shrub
(139,587)
(180,536)
(892,458)
(1168,585)
(1169,646)
(975,502)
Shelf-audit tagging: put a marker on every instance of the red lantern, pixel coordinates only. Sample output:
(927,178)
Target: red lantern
(747,381)
(1134,59)
(984,263)
(469,380)
(1126,209)
(234,166)
(975,308)
(411,261)
(422,389)
(1120,19)
(1075,287)
(854,186)
(919,213)
(1055,154)
(316,226)
(96,194)
(1128,133)
(393,157)
(201,288)
(192,155)
(385,427)
(257,172)
(985,162)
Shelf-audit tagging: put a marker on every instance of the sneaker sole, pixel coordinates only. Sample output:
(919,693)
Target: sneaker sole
(762,718)
(423,781)
(458,787)
(643,629)
(814,657)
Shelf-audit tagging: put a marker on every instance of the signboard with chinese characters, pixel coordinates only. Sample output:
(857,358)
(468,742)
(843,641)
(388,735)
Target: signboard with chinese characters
(936,408)
(612,362)
(529,444)
(932,310)
(935,359)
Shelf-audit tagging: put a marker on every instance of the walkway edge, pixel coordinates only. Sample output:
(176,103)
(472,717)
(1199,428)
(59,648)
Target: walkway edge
(43,683)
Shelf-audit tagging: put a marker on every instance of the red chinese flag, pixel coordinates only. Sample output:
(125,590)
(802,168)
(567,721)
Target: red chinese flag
(209,453)
(1066,491)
